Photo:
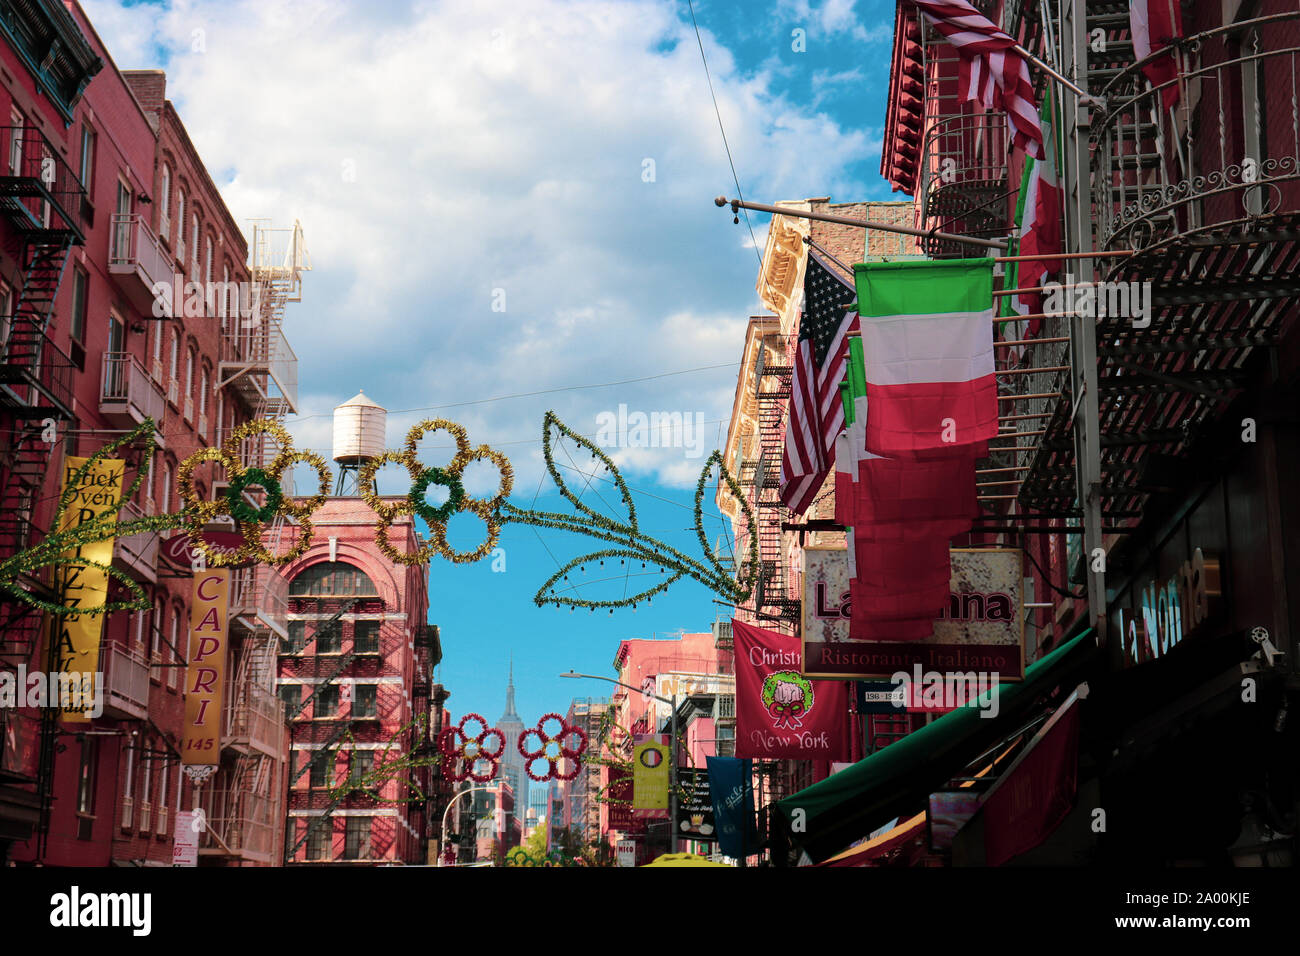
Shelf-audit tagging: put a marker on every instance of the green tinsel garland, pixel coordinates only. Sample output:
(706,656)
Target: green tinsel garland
(436,476)
(634,545)
(241,510)
(60,548)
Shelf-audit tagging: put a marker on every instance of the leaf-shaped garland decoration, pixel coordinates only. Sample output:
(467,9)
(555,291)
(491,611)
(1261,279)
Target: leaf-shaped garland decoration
(632,544)
(59,548)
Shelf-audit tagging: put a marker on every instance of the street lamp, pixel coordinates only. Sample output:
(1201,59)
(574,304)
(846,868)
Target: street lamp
(672,750)
(448,810)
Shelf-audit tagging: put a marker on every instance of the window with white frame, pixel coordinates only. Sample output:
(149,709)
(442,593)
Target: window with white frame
(194,249)
(157,620)
(176,354)
(15,142)
(180,223)
(165,202)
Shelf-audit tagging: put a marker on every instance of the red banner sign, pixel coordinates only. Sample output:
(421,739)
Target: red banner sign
(780,713)
(1036,792)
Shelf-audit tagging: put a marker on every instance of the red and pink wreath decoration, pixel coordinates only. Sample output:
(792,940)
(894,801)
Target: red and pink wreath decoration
(551,749)
(464,752)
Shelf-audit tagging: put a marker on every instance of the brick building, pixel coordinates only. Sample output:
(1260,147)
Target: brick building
(355,677)
(100,174)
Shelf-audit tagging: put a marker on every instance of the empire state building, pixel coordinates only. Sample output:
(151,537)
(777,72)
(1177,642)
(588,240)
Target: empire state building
(512,762)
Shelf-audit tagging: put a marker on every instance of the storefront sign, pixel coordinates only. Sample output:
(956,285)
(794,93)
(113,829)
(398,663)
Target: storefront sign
(982,629)
(879,697)
(650,765)
(179,551)
(83,585)
(1171,610)
(185,841)
(695,808)
(627,852)
(948,812)
(619,795)
(205,677)
(684,685)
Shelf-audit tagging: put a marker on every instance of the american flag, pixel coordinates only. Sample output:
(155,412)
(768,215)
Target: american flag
(816,411)
(992,72)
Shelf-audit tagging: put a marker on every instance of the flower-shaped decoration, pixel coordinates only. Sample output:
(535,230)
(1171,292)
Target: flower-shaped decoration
(552,749)
(251,519)
(450,478)
(464,752)
(519,856)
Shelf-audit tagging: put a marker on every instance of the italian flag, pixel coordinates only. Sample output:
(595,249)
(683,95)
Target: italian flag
(900,583)
(927,343)
(901,513)
(1039,211)
(888,496)
(1155,25)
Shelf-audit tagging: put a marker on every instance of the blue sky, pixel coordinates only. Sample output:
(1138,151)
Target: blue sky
(448,157)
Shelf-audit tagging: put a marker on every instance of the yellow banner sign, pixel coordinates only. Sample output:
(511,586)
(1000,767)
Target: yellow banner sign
(76,636)
(650,763)
(205,677)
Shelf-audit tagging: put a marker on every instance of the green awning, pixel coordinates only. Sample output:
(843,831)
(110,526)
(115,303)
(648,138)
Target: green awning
(848,805)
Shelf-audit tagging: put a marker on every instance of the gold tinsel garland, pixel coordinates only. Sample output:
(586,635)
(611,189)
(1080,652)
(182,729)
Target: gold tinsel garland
(252,525)
(458,501)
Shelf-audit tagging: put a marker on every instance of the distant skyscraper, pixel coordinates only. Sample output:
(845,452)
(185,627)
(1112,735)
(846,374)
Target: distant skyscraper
(512,762)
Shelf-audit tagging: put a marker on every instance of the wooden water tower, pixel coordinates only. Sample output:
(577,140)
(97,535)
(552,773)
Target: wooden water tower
(359,433)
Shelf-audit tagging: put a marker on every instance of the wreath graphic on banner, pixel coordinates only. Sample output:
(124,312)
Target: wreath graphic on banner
(552,749)
(788,697)
(256,502)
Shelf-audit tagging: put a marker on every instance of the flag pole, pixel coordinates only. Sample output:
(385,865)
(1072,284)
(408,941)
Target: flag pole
(739,204)
(826,254)
(1084,96)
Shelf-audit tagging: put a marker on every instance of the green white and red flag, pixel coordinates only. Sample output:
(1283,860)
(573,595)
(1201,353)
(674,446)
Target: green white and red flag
(927,344)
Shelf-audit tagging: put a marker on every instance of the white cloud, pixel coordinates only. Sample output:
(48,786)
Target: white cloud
(496,147)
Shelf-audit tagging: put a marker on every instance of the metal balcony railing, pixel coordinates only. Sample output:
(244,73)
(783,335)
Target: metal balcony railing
(39,372)
(255,355)
(244,823)
(137,552)
(137,258)
(256,721)
(260,596)
(126,389)
(1227,153)
(963,185)
(39,192)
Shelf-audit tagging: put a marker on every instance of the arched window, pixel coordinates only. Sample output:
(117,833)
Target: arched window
(165,201)
(176,353)
(328,579)
(194,248)
(180,224)
(157,624)
(203,403)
